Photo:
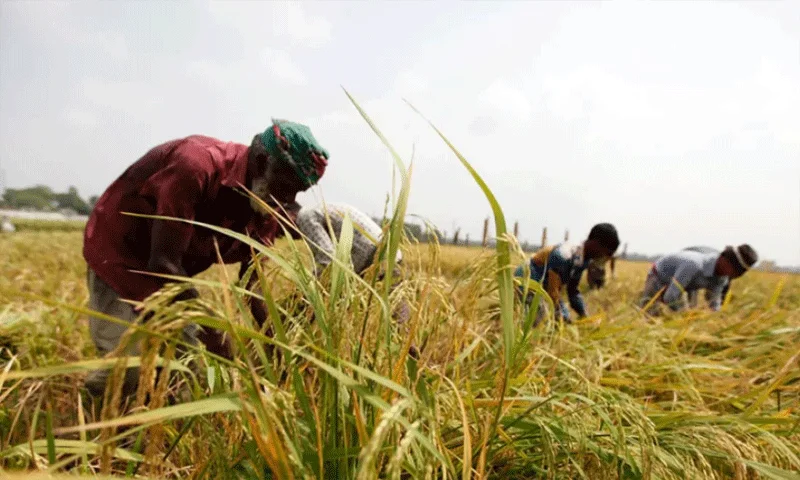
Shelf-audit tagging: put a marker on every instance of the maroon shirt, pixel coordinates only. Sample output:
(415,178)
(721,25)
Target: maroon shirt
(195,178)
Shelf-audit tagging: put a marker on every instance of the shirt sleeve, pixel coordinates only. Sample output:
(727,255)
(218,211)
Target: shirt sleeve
(684,274)
(575,297)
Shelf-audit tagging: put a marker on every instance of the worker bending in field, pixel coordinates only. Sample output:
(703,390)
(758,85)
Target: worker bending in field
(561,266)
(312,222)
(197,178)
(689,271)
(695,293)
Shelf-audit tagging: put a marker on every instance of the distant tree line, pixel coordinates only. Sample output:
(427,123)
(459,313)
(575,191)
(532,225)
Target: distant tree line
(43,198)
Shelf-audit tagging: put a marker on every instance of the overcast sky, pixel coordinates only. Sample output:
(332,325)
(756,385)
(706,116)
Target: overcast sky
(677,121)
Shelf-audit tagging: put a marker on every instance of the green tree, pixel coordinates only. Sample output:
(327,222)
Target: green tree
(42,197)
(73,201)
(39,197)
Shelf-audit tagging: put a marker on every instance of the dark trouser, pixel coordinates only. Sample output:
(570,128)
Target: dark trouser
(107,335)
(652,286)
(543,310)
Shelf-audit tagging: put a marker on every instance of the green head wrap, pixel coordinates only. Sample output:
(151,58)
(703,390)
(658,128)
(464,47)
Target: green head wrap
(294,144)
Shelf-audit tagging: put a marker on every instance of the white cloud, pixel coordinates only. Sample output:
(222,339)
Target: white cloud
(483,125)
(57,21)
(288,20)
(210,72)
(281,65)
(83,119)
(652,118)
(111,42)
(505,99)
(131,98)
(410,83)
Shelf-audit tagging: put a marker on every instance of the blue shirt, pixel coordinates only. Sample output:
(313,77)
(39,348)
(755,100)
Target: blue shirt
(567,262)
(689,271)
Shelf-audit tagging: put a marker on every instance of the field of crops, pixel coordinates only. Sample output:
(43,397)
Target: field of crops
(698,395)
(619,395)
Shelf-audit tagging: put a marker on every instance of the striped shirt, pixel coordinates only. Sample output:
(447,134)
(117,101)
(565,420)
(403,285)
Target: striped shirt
(311,221)
(689,271)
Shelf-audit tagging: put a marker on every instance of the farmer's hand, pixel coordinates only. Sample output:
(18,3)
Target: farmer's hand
(216,342)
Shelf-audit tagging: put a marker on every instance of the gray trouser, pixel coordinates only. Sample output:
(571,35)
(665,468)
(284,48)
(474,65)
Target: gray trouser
(652,286)
(107,335)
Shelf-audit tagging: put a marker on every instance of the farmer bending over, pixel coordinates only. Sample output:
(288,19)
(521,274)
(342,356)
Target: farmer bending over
(690,270)
(313,224)
(563,265)
(695,293)
(196,178)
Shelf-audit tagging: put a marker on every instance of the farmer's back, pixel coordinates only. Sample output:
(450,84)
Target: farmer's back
(191,178)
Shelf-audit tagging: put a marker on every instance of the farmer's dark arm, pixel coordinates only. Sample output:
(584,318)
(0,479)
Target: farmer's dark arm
(575,297)
(257,308)
(169,242)
(291,212)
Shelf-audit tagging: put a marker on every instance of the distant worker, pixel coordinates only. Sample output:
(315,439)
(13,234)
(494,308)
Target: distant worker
(312,222)
(196,178)
(6,226)
(690,270)
(563,265)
